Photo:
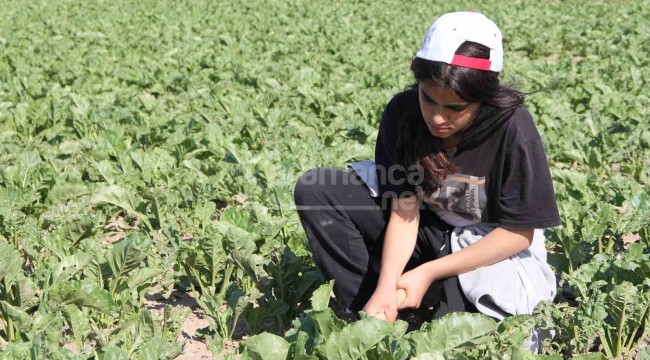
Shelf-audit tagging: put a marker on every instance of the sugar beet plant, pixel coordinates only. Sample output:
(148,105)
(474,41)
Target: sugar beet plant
(150,148)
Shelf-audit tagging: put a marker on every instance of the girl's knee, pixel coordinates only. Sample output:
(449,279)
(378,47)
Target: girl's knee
(313,182)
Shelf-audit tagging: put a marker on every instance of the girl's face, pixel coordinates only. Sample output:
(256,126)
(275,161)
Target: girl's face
(447,116)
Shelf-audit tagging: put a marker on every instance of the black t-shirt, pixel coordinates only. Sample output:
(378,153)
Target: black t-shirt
(504,178)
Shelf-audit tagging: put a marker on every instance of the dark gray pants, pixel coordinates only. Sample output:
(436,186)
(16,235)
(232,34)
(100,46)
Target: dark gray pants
(345,227)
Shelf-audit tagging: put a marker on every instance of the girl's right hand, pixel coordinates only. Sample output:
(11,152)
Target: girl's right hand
(383,301)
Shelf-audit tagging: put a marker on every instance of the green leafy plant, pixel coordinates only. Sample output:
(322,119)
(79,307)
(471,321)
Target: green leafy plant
(137,167)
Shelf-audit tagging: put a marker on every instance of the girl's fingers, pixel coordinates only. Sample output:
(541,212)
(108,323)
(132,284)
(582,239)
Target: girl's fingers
(401,297)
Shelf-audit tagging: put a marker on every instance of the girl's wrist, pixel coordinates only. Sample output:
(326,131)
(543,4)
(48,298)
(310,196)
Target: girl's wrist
(387,281)
(430,271)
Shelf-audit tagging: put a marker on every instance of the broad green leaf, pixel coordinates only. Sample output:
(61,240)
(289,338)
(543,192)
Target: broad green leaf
(213,255)
(126,256)
(321,297)
(113,353)
(116,145)
(644,354)
(140,279)
(70,265)
(596,229)
(76,231)
(243,252)
(158,348)
(28,292)
(237,301)
(238,217)
(204,212)
(390,348)
(142,276)
(254,316)
(108,170)
(70,147)
(78,322)
(515,330)
(28,162)
(144,332)
(353,341)
(198,108)
(12,200)
(10,264)
(326,322)
(302,336)
(20,318)
(211,304)
(215,343)
(627,308)
(305,282)
(302,347)
(64,191)
(120,197)
(154,164)
(452,332)
(637,213)
(16,350)
(517,353)
(46,325)
(265,346)
(82,295)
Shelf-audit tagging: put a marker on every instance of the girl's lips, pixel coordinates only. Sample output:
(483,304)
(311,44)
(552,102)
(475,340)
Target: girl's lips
(439,129)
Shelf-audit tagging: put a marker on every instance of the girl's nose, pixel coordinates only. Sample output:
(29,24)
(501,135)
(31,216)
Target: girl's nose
(438,118)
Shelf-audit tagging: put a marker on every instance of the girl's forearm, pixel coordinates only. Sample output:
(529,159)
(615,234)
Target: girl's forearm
(399,240)
(498,245)
(398,248)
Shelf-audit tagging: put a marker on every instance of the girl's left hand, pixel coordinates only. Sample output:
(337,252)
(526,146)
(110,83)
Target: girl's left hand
(416,283)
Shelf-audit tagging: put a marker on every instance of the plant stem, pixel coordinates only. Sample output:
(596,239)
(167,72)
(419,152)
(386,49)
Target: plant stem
(226,280)
(619,331)
(283,230)
(14,239)
(223,327)
(11,332)
(164,324)
(629,344)
(568,257)
(198,280)
(114,287)
(600,245)
(234,324)
(607,344)
(610,244)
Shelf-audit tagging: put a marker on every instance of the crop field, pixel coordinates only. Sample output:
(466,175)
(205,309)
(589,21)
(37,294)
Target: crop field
(149,152)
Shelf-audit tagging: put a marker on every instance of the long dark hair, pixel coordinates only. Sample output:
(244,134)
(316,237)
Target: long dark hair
(415,145)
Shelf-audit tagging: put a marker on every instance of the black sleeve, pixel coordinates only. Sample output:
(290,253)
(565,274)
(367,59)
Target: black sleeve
(391,176)
(527,197)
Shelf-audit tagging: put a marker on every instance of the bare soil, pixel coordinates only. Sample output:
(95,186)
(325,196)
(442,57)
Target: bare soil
(195,348)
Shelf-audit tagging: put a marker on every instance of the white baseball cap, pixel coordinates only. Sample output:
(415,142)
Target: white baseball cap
(452,29)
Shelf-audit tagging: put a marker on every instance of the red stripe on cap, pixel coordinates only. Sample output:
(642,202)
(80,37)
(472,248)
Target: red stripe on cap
(470,62)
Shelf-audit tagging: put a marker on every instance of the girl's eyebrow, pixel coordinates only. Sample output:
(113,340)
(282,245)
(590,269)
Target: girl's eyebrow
(425,95)
(447,105)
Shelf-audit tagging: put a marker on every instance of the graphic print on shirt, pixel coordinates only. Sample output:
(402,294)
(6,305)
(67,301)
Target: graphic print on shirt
(464,195)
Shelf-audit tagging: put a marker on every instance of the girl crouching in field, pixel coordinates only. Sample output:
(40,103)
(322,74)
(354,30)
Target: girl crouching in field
(453,208)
